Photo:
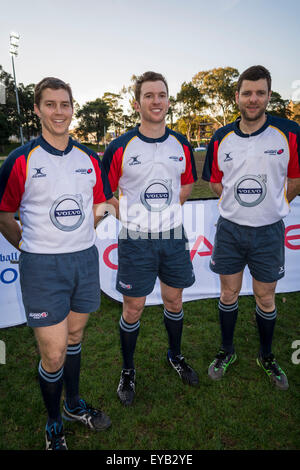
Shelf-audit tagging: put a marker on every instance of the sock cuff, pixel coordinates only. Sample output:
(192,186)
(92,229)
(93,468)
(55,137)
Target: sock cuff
(73,349)
(266,315)
(228,308)
(50,376)
(128,327)
(173,316)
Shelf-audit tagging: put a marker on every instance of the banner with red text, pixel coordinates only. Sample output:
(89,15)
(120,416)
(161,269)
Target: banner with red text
(199,219)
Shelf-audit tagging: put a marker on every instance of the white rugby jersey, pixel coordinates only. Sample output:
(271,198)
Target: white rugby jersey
(253,170)
(149,173)
(54,192)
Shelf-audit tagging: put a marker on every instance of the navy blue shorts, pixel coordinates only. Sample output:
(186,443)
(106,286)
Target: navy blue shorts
(144,257)
(261,248)
(54,284)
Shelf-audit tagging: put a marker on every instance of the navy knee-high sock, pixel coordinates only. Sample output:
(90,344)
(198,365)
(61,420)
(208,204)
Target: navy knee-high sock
(72,374)
(228,316)
(266,324)
(128,337)
(174,325)
(51,384)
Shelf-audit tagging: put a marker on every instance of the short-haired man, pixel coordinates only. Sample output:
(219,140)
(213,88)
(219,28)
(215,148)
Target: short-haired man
(253,165)
(154,169)
(57,185)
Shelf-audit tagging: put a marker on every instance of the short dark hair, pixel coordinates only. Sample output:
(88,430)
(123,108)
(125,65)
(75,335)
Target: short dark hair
(256,72)
(148,77)
(54,84)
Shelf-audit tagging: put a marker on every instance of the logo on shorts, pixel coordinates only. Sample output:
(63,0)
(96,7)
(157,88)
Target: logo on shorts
(39,173)
(157,195)
(38,315)
(125,286)
(281,270)
(250,190)
(67,213)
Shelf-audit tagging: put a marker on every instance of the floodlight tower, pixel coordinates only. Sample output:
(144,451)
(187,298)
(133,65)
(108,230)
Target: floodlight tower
(14,44)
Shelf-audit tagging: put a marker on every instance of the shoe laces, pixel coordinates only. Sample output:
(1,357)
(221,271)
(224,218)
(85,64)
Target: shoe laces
(127,380)
(271,364)
(88,408)
(220,358)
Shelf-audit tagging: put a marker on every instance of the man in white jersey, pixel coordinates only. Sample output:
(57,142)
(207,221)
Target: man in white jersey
(253,165)
(154,169)
(58,186)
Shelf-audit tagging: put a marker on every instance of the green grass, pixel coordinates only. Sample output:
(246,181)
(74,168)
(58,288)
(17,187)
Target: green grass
(241,412)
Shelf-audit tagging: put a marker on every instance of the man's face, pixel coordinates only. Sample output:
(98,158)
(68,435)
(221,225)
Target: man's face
(55,111)
(154,102)
(253,99)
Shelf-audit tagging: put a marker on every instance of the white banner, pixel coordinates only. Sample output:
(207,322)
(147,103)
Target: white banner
(199,219)
(11,306)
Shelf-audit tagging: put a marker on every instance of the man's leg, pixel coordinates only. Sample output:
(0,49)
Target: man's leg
(228,312)
(76,325)
(52,343)
(266,314)
(173,319)
(75,408)
(129,327)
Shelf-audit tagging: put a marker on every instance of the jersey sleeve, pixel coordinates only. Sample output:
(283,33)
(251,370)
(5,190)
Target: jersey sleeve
(102,190)
(112,163)
(294,146)
(12,182)
(190,174)
(211,171)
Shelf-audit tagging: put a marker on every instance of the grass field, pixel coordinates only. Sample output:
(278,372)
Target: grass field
(242,412)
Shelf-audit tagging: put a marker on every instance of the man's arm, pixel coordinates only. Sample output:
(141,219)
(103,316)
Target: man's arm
(293,188)
(185,192)
(10,228)
(111,206)
(217,188)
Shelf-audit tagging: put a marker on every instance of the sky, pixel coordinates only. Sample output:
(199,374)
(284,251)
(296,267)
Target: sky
(97,45)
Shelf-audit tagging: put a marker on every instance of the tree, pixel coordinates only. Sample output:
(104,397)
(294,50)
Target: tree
(189,104)
(115,111)
(93,119)
(278,106)
(218,89)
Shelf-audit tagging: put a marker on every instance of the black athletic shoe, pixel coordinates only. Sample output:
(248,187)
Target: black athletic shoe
(274,371)
(55,438)
(126,388)
(185,372)
(86,414)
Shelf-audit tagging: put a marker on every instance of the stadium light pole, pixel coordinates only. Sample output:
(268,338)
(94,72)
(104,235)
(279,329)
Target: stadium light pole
(14,44)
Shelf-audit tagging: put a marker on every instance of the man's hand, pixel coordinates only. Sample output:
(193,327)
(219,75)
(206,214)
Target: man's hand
(10,228)
(111,206)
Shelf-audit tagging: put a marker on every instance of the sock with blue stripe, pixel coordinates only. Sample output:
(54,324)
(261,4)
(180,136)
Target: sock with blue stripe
(266,324)
(128,336)
(228,316)
(51,384)
(174,324)
(72,374)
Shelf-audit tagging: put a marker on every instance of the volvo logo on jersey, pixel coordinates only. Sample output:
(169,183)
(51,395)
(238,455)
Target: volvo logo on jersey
(157,195)
(250,190)
(67,213)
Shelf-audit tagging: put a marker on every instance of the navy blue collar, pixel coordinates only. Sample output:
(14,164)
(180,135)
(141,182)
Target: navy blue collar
(149,139)
(236,127)
(46,146)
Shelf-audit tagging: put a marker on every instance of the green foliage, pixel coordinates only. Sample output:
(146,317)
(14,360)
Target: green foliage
(93,119)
